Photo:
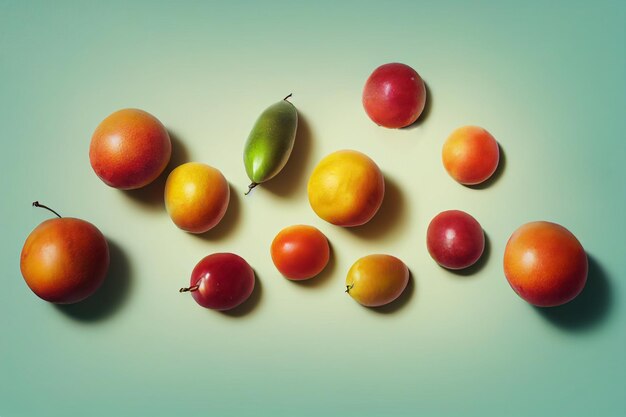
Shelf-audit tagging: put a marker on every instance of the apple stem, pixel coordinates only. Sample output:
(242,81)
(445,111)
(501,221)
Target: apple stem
(349,287)
(189,289)
(36,204)
(250,187)
(290,94)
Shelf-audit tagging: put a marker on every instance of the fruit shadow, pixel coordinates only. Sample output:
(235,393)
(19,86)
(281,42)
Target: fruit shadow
(496,175)
(399,302)
(479,264)
(323,277)
(110,297)
(229,222)
(590,308)
(250,304)
(425,113)
(151,196)
(389,215)
(293,175)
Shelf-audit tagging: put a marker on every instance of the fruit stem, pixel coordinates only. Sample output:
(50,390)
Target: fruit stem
(189,289)
(250,187)
(290,94)
(349,287)
(36,204)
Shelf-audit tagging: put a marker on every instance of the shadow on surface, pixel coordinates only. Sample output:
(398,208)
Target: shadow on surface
(294,174)
(399,302)
(323,277)
(425,113)
(389,215)
(250,304)
(480,263)
(110,297)
(591,306)
(151,196)
(496,175)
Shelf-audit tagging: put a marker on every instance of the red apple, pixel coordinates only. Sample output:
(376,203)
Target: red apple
(394,95)
(455,240)
(129,149)
(64,260)
(221,281)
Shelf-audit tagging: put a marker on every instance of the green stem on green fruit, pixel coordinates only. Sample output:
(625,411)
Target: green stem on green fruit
(36,204)
(349,287)
(290,94)
(250,187)
(189,289)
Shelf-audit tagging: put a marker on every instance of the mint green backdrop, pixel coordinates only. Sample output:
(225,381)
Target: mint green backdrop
(547,80)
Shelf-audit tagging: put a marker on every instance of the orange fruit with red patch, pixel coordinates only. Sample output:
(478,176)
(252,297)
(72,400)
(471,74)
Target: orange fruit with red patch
(470,155)
(545,264)
(129,149)
(64,260)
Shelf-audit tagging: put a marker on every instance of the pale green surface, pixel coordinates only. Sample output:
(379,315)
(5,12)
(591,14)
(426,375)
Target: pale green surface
(547,81)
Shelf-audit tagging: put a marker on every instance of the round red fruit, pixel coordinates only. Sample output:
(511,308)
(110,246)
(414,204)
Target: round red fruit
(455,240)
(300,252)
(394,95)
(221,281)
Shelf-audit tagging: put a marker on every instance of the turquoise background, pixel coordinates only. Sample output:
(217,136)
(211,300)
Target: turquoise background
(547,80)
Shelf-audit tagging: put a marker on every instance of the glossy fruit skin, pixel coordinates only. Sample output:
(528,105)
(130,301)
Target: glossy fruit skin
(376,280)
(65,260)
(270,142)
(394,95)
(300,252)
(196,197)
(129,149)
(545,264)
(470,155)
(346,188)
(455,240)
(224,280)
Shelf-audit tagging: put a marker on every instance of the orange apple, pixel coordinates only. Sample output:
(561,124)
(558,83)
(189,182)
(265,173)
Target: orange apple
(470,155)
(545,264)
(64,260)
(129,149)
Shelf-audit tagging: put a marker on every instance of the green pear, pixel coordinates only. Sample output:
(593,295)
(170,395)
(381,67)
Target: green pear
(270,142)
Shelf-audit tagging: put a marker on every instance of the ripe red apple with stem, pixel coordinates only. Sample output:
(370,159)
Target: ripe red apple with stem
(64,260)
(221,281)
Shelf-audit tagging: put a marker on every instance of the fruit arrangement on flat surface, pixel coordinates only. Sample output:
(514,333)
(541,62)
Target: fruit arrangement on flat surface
(417,238)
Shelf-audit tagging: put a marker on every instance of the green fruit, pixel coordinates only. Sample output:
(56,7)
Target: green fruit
(270,142)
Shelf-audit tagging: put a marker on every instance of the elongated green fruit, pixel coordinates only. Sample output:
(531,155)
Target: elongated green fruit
(270,142)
